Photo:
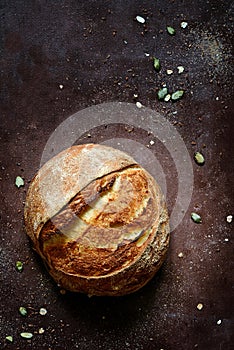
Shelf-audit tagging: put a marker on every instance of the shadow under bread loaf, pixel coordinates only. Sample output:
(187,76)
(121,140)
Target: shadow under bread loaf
(98,220)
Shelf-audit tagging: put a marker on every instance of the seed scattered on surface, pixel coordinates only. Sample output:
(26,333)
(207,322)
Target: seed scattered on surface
(169,71)
(138,104)
(184,24)
(157,64)
(43,311)
(63,291)
(229,218)
(162,93)
(200,306)
(26,335)
(196,218)
(226,239)
(41,331)
(180,255)
(140,19)
(167,98)
(19,181)
(19,266)
(151,142)
(23,311)
(219,322)
(177,95)
(180,69)
(147,54)
(61,86)
(199,158)
(170,30)
(9,338)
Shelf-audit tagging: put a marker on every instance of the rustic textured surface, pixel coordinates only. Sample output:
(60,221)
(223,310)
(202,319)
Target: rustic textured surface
(81,46)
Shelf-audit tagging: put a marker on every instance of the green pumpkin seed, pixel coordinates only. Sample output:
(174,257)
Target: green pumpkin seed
(26,335)
(157,64)
(177,95)
(162,93)
(170,30)
(19,181)
(196,218)
(23,311)
(19,266)
(199,158)
(9,338)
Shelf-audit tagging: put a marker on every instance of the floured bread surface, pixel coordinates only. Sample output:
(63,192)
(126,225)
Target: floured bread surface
(110,234)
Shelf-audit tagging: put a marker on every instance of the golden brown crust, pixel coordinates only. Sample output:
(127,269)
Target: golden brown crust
(63,176)
(110,233)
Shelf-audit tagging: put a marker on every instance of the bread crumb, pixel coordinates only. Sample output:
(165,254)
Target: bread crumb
(138,104)
(200,306)
(169,71)
(229,218)
(43,311)
(184,24)
(180,69)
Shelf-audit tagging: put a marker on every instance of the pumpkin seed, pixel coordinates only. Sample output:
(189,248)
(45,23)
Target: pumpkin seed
(196,218)
(157,64)
(199,158)
(23,311)
(26,335)
(19,181)
(19,266)
(170,30)
(9,338)
(162,93)
(177,95)
(140,19)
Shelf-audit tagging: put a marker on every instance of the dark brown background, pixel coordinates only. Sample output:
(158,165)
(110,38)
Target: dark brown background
(80,44)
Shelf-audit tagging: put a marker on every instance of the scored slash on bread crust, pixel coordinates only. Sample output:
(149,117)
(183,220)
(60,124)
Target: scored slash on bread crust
(110,233)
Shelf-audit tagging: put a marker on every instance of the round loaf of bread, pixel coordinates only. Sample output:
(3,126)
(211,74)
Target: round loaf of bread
(98,220)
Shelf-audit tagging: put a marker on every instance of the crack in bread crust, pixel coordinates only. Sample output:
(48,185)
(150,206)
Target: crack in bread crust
(104,238)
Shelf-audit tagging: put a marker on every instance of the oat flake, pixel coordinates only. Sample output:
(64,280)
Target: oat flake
(140,19)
